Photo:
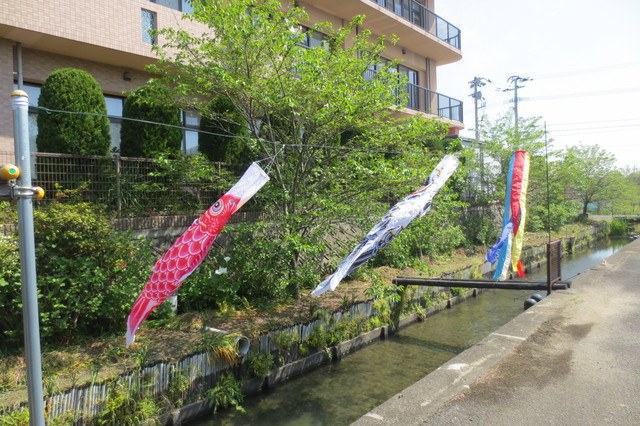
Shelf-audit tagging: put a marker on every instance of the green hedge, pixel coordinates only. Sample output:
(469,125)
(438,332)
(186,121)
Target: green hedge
(87,133)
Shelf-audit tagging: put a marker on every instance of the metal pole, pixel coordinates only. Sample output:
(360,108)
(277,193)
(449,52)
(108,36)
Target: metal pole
(20,105)
(19,58)
(546,162)
(515,79)
(476,95)
(116,158)
(477,131)
(515,103)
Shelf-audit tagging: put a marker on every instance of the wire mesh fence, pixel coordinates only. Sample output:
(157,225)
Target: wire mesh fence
(128,187)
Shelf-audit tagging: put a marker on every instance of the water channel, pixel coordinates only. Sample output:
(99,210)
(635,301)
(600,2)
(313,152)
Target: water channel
(341,392)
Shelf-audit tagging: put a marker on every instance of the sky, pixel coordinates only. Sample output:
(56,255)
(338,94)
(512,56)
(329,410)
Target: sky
(582,56)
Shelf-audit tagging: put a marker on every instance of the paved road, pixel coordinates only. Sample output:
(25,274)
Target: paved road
(572,359)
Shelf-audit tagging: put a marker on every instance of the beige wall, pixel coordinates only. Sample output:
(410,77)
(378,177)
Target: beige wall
(103,31)
(409,58)
(316,15)
(101,37)
(426,77)
(37,65)
(6,87)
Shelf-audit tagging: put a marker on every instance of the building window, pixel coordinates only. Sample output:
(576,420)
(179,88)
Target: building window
(114,111)
(412,88)
(191,121)
(313,39)
(181,5)
(374,68)
(115,105)
(148,24)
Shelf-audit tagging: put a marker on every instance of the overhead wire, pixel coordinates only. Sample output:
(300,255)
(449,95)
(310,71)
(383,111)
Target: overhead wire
(593,121)
(191,129)
(587,70)
(620,90)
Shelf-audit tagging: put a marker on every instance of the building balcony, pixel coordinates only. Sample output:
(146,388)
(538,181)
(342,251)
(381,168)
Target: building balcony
(425,100)
(418,28)
(419,15)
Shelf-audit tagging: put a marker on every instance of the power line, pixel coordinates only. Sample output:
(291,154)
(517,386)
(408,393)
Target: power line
(588,70)
(138,120)
(598,128)
(594,121)
(191,129)
(622,90)
(589,131)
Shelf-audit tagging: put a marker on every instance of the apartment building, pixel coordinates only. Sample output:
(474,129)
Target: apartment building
(110,40)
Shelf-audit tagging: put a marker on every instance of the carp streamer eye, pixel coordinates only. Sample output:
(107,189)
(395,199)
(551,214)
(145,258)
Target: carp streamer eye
(217,207)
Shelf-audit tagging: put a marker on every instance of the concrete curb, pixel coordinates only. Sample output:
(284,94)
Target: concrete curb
(419,401)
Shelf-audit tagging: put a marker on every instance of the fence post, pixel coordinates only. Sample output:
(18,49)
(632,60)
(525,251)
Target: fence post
(20,106)
(116,159)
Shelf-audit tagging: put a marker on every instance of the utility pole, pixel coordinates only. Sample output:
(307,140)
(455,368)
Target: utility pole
(514,79)
(25,194)
(477,96)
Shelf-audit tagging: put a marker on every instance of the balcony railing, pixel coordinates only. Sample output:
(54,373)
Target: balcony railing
(418,14)
(425,100)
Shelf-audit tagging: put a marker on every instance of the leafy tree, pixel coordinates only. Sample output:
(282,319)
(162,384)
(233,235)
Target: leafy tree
(297,103)
(547,204)
(221,123)
(630,201)
(590,174)
(74,90)
(501,139)
(140,139)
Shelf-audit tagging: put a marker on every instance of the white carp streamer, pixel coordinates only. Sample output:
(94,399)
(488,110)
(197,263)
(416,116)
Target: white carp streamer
(415,205)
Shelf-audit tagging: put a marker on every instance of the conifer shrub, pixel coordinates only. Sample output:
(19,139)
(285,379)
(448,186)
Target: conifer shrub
(73,90)
(141,139)
(221,124)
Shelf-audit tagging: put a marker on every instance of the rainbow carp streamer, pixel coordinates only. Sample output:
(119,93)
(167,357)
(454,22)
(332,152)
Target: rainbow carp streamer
(413,206)
(509,246)
(191,247)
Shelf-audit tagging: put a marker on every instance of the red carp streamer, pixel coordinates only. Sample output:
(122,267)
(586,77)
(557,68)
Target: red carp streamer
(190,249)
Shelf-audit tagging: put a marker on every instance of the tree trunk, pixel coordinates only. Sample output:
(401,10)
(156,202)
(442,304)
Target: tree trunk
(295,286)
